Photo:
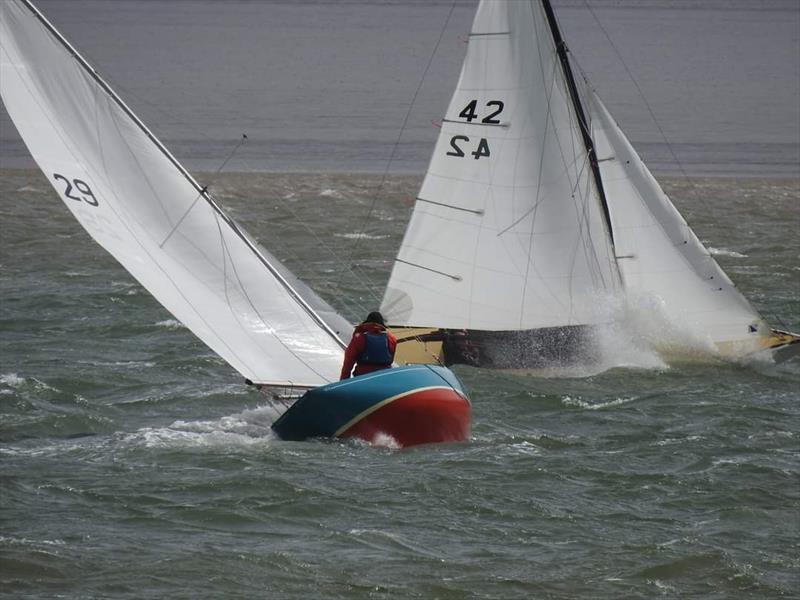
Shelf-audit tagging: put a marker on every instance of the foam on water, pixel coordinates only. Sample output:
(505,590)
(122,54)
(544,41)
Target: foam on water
(638,332)
(246,429)
(171,324)
(580,403)
(384,440)
(12,379)
(360,236)
(725,252)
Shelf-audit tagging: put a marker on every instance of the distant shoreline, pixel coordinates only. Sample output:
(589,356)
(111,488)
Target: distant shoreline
(666,178)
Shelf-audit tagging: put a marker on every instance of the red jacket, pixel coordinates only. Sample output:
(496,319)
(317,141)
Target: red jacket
(358,345)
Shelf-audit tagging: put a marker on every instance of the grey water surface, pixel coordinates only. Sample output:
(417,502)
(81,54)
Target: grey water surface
(135,464)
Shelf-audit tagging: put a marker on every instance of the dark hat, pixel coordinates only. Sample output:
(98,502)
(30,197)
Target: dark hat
(375,317)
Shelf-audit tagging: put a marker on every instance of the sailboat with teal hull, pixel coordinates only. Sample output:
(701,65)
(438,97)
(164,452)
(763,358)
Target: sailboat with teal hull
(139,203)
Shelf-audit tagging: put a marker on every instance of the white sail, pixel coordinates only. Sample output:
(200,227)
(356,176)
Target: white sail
(135,200)
(508,232)
(659,256)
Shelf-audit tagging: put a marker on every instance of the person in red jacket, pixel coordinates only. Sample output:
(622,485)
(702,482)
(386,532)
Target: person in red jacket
(371,348)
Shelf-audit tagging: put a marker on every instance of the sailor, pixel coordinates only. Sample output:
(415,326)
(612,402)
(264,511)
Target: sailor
(371,348)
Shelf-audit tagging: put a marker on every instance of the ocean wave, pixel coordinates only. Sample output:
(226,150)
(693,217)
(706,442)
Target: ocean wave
(331,193)
(15,381)
(247,429)
(580,403)
(725,252)
(171,324)
(12,380)
(360,236)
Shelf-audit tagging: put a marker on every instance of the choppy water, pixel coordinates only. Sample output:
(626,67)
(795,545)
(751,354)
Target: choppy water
(135,464)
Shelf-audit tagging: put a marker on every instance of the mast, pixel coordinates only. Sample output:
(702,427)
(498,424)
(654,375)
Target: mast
(561,50)
(201,191)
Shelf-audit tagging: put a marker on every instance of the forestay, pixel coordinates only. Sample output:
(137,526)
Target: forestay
(135,200)
(508,231)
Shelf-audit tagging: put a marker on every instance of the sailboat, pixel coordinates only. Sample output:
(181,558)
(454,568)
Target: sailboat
(537,220)
(140,204)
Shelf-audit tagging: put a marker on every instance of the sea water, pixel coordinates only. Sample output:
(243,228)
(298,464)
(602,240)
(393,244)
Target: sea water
(135,464)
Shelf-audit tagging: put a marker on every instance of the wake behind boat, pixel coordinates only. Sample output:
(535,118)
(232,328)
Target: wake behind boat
(538,226)
(140,204)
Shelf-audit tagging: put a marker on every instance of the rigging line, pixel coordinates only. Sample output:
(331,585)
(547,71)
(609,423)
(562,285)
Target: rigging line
(644,99)
(188,300)
(204,190)
(402,130)
(562,53)
(582,119)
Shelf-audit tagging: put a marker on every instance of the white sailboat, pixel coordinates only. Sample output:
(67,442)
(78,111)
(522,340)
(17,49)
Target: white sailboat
(536,217)
(137,201)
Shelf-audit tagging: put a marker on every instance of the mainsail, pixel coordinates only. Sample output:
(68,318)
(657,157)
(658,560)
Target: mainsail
(536,211)
(140,204)
(508,232)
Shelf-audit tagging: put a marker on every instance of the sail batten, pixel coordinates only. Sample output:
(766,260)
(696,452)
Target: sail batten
(140,203)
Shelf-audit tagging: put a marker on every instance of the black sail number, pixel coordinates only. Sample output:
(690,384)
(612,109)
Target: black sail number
(490,119)
(470,112)
(482,148)
(77,190)
(456,150)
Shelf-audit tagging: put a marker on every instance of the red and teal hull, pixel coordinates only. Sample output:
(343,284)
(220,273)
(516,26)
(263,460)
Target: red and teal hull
(417,404)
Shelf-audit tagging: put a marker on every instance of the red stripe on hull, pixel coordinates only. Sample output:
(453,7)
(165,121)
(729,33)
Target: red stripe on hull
(425,417)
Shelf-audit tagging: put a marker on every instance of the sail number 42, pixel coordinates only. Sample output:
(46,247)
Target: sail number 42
(77,190)
(470,113)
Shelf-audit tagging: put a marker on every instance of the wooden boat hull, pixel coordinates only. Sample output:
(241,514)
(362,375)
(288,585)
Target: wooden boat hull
(406,406)
(782,345)
(555,347)
(534,348)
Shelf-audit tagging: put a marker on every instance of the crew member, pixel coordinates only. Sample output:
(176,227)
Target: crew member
(371,348)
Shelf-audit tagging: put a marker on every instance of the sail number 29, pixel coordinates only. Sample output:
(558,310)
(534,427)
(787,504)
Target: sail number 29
(470,113)
(77,190)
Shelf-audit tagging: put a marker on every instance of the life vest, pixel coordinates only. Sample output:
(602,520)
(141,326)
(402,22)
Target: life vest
(376,349)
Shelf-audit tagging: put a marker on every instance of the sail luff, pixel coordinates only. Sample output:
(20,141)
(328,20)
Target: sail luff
(201,190)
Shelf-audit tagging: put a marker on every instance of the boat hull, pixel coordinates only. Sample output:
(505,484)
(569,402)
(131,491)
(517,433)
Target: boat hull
(405,406)
(559,347)
(528,349)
